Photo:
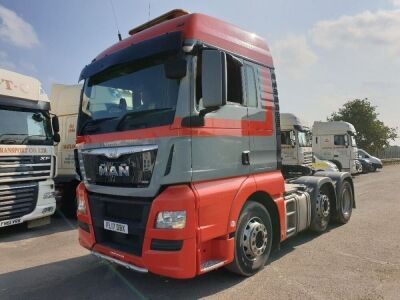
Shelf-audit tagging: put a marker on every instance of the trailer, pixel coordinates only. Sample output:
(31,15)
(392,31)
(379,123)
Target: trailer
(65,104)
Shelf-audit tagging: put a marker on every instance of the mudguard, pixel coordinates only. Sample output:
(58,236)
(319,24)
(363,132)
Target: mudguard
(312,186)
(338,178)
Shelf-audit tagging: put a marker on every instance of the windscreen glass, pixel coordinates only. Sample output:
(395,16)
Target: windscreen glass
(128,97)
(22,127)
(304,139)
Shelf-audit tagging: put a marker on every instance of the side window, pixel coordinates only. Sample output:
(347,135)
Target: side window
(339,140)
(235,88)
(251,86)
(285,138)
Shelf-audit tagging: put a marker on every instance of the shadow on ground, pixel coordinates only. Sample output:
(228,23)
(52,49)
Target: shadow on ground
(59,223)
(87,277)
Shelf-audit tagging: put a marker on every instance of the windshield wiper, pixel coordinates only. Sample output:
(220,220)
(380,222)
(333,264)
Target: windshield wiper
(36,137)
(141,113)
(11,139)
(94,122)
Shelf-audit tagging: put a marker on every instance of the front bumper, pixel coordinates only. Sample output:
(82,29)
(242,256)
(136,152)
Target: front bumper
(179,263)
(45,206)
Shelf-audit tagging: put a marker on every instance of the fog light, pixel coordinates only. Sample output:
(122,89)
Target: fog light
(48,195)
(171,220)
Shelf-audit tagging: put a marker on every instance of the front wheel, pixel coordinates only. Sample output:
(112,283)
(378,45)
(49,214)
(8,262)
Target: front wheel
(253,240)
(345,202)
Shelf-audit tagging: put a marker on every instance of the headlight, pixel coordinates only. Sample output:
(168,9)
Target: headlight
(81,206)
(81,198)
(171,220)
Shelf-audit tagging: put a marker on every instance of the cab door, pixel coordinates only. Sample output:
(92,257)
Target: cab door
(221,145)
(261,118)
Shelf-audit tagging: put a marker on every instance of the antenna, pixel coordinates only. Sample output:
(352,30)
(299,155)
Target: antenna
(149,9)
(115,20)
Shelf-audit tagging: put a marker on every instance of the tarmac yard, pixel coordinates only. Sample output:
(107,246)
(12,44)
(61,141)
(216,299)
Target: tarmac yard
(360,260)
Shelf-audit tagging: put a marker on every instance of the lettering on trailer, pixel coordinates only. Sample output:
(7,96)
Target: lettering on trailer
(10,85)
(111,170)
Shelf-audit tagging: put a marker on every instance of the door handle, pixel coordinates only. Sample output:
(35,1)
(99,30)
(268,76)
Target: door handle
(246,157)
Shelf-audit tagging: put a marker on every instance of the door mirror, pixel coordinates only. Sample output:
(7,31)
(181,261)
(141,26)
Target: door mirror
(292,139)
(213,78)
(175,69)
(56,137)
(55,124)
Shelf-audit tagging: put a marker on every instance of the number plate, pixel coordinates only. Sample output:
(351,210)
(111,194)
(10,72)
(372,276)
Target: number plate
(10,222)
(117,227)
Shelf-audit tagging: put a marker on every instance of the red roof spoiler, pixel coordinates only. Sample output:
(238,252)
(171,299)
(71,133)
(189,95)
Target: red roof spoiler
(175,13)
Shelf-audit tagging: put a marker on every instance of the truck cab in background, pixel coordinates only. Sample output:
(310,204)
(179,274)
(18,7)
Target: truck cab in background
(65,104)
(27,158)
(335,141)
(295,141)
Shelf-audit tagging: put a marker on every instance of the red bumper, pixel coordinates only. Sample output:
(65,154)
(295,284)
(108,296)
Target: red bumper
(176,264)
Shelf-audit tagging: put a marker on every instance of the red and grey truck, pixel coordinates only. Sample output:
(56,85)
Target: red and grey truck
(178,144)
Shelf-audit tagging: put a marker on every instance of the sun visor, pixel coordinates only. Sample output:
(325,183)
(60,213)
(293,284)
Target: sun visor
(167,44)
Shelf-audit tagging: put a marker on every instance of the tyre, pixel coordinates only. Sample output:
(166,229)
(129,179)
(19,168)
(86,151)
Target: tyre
(373,169)
(253,240)
(345,203)
(322,211)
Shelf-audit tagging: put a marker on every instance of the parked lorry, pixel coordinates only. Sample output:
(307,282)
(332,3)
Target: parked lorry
(297,153)
(179,151)
(65,104)
(27,158)
(295,141)
(335,141)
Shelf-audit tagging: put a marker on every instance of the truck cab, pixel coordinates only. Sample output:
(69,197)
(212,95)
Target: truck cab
(335,141)
(179,152)
(27,158)
(295,141)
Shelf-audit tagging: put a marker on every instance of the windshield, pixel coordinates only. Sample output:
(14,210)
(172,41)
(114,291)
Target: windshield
(128,97)
(23,127)
(304,139)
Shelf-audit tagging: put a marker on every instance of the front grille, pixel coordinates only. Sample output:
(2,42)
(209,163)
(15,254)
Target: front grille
(127,170)
(21,168)
(308,158)
(17,200)
(132,211)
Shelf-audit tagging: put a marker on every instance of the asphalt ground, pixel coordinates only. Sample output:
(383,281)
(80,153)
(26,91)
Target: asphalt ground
(359,260)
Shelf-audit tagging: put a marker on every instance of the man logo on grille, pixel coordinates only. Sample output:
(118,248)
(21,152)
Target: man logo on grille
(111,170)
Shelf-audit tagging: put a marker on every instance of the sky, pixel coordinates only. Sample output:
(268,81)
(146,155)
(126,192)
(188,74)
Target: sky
(325,52)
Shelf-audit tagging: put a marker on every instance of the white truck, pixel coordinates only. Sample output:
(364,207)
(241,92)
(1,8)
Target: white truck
(27,158)
(65,104)
(335,141)
(295,141)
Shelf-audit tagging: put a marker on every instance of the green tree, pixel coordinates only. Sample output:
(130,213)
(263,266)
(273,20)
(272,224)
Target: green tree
(372,134)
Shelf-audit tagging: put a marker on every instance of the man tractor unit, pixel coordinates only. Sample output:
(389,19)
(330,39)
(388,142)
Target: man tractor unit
(179,151)
(27,158)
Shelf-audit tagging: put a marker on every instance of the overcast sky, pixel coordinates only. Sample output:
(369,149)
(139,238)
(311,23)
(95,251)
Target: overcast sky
(325,52)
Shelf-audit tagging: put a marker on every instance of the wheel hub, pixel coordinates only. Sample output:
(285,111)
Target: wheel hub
(255,238)
(324,205)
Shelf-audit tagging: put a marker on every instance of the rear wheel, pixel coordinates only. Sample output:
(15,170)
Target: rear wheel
(345,202)
(322,211)
(253,240)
